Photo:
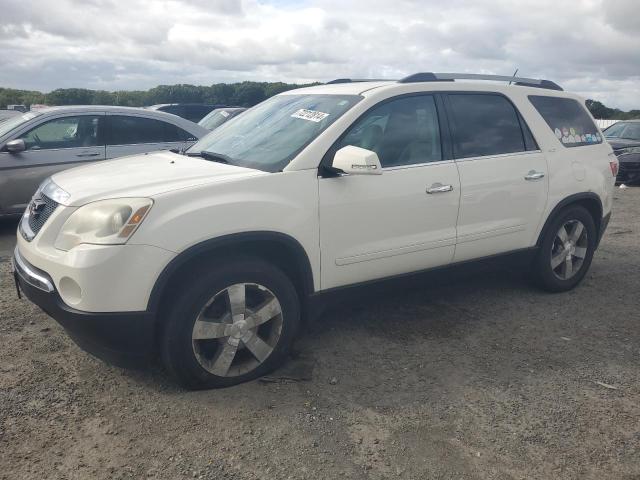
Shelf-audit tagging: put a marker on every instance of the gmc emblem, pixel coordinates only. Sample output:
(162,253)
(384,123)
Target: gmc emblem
(36,207)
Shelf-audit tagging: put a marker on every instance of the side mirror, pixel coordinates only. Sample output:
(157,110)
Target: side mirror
(357,161)
(16,146)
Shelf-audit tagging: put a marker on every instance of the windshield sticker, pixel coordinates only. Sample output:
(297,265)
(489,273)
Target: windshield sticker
(224,114)
(310,115)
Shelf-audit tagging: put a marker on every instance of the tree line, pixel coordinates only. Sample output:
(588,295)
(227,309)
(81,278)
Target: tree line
(244,94)
(598,110)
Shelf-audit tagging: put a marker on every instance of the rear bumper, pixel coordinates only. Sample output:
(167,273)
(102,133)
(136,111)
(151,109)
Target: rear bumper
(120,338)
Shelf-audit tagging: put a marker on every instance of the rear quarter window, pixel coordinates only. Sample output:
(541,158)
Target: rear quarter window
(568,120)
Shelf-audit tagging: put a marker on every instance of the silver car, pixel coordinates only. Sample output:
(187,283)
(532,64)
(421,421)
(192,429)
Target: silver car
(35,145)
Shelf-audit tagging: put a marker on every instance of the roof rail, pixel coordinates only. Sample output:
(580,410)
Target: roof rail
(450,77)
(354,80)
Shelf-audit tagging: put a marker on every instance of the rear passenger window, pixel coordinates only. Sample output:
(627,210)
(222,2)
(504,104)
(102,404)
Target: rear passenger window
(404,131)
(484,125)
(135,130)
(568,119)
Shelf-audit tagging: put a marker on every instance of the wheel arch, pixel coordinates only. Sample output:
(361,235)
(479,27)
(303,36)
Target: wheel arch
(280,249)
(588,200)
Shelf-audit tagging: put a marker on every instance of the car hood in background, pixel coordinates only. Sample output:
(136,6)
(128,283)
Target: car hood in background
(144,176)
(617,143)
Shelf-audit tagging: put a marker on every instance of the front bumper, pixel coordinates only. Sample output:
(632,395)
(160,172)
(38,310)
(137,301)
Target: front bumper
(121,338)
(603,227)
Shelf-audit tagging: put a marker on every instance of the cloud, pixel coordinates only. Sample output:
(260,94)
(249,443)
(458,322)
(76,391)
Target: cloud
(587,45)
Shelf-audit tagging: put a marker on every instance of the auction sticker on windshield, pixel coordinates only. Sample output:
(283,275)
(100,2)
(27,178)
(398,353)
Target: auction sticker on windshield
(311,115)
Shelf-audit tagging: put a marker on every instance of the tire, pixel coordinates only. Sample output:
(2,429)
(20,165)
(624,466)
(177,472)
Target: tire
(552,276)
(211,339)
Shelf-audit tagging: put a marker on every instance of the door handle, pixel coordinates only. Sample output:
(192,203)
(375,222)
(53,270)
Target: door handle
(533,175)
(87,155)
(439,188)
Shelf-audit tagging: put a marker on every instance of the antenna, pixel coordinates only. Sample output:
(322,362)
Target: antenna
(513,76)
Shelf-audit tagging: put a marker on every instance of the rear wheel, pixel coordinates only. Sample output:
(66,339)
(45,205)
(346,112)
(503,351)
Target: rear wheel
(566,251)
(232,323)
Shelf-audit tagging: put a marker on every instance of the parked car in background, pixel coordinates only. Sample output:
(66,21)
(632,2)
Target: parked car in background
(36,144)
(18,108)
(191,111)
(624,137)
(219,116)
(6,114)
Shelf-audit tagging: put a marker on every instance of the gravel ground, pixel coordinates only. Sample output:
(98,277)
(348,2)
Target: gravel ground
(483,377)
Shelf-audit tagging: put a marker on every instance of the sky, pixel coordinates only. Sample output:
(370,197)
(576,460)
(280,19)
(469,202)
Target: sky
(591,47)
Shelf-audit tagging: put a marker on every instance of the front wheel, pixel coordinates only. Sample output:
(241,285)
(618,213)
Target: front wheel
(230,323)
(566,251)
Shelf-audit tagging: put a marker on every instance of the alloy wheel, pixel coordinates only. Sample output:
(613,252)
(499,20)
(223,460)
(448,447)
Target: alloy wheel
(237,330)
(569,249)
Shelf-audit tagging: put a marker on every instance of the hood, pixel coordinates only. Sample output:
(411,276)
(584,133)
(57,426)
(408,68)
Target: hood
(617,143)
(144,176)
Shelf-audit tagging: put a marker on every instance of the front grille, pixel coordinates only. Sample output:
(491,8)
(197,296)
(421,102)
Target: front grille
(37,220)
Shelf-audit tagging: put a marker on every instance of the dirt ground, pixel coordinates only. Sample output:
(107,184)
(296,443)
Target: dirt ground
(483,377)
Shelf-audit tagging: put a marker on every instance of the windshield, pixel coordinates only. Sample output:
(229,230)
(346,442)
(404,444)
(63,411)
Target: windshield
(13,122)
(216,118)
(269,135)
(629,131)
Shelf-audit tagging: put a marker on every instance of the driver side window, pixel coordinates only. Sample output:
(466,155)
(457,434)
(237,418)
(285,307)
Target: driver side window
(65,132)
(404,131)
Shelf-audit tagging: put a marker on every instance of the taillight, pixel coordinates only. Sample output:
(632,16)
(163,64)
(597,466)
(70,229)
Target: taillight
(613,164)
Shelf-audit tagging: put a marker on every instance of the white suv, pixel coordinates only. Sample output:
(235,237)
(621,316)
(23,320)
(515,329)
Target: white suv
(210,258)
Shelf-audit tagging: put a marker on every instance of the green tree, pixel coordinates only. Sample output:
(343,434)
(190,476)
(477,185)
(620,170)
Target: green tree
(248,94)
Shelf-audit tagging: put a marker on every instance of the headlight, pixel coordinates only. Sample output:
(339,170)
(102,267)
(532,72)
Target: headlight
(106,222)
(54,192)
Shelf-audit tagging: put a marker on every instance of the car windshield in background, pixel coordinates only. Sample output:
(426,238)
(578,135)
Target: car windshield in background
(628,131)
(216,118)
(268,136)
(13,122)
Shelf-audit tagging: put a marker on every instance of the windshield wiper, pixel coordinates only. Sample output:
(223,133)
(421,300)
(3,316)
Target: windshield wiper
(214,157)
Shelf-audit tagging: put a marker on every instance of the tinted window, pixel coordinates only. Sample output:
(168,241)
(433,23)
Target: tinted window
(568,119)
(65,132)
(484,125)
(133,130)
(176,134)
(402,132)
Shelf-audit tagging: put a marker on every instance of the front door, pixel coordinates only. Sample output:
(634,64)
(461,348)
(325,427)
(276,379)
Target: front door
(375,226)
(51,146)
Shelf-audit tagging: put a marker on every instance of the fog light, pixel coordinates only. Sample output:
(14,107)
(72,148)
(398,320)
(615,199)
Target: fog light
(70,290)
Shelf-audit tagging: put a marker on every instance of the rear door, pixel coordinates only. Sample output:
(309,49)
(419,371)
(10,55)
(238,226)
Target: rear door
(53,145)
(132,134)
(503,175)
(375,226)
